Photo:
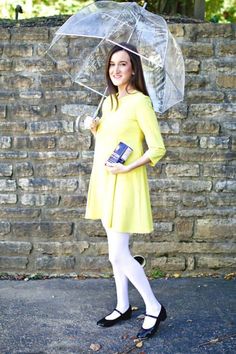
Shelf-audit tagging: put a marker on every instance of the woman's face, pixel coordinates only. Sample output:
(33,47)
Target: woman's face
(120,69)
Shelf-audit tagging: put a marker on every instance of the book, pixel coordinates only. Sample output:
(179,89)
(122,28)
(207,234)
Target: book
(120,154)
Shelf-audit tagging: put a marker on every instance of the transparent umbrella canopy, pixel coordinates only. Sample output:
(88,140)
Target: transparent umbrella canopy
(81,45)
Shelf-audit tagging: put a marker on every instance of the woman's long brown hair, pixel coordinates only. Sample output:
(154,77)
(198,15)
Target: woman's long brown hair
(137,79)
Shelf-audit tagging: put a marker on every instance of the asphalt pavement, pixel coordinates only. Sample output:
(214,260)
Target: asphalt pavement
(55,316)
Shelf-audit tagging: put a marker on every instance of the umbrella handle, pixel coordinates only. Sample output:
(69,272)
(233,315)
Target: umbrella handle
(100,103)
(94,116)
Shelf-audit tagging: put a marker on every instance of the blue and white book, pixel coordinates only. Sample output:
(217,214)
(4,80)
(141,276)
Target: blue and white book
(120,154)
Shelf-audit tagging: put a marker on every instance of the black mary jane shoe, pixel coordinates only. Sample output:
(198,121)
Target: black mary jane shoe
(123,316)
(146,333)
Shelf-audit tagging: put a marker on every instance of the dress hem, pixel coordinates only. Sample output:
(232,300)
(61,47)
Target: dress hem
(124,231)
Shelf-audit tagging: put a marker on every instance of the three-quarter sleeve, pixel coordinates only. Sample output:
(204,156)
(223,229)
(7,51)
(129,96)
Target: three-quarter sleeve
(150,127)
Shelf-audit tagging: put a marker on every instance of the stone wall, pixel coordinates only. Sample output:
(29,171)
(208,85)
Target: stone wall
(45,163)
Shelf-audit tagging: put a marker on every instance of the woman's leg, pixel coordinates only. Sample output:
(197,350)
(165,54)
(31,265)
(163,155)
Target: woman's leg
(125,265)
(121,282)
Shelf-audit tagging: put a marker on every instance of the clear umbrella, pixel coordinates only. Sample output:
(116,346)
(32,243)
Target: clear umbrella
(81,45)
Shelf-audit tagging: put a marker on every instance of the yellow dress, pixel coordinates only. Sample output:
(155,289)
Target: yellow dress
(122,201)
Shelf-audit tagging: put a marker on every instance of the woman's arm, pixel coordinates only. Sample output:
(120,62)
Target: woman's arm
(120,168)
(148,123)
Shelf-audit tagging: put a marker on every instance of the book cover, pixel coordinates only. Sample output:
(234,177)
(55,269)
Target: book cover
(120,154)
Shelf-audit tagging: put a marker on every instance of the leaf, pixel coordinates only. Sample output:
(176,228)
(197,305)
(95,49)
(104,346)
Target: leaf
(95,347)
(134,308)
(140,317)
(125,336)
(176,275)
(230,276)
(218,339)
(139,344)
(214,340)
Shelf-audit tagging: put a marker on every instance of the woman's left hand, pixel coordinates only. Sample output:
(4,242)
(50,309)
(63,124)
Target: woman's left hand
(116,168)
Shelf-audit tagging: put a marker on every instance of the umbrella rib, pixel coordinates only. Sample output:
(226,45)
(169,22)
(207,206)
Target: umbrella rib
(138,54)
(173,83)
(55,62)
(137,21)
(117,19)
(91,89)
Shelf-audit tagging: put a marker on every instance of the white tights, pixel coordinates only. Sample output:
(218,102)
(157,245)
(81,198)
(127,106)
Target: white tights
(125,268)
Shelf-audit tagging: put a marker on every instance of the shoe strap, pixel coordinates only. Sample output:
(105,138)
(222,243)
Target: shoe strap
(151,316)
(118,311)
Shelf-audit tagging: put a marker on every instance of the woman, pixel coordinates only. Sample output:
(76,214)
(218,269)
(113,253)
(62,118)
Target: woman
(118,193)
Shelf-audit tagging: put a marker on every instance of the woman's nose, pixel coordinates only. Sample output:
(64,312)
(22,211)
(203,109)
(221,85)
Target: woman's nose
(117,69)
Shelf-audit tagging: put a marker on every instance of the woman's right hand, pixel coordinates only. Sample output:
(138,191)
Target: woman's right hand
(91,123)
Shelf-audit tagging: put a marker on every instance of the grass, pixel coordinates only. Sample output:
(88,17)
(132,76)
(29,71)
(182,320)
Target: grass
(157,273)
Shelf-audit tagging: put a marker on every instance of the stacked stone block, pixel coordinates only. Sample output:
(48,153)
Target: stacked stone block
(45,162)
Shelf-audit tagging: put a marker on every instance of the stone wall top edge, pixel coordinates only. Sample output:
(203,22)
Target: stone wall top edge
(182,24)
(190,31)
(207,24)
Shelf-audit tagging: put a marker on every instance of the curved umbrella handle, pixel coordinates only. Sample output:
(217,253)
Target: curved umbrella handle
(79,124)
